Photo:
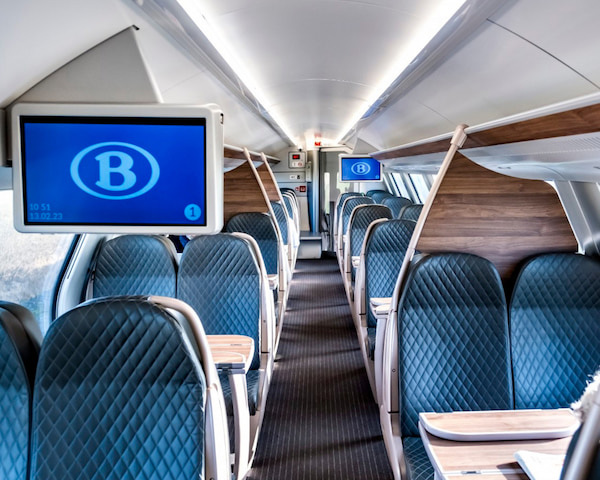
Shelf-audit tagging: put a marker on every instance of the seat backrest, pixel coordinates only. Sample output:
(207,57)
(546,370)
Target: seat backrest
(119,393)
(260,227)
(379,196)
(220,279)
(555,329)
(20,339)
(453,350)
(396,204)
(411,212)
(370,193)
(338,207)
(282,220)
(384,253)
(287,202)
(349,205)
(135,265)
(360,220)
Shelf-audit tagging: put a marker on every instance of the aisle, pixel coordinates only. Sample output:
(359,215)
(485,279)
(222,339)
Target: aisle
(321,421)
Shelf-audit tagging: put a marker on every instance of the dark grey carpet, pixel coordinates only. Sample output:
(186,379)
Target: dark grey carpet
(321,422)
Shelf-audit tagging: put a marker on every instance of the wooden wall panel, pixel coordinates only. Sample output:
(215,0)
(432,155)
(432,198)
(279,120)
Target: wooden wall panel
(501,218)
(243,192)
(268,183)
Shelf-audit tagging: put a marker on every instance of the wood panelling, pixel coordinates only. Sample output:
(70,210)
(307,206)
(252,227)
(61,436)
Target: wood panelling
(243,192)
(572,122)
(268,182)
(403,151)
(501,218)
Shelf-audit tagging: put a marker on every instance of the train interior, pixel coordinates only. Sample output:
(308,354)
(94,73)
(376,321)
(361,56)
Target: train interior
(351,218)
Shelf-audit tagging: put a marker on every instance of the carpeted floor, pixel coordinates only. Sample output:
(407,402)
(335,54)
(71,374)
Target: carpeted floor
(321,422)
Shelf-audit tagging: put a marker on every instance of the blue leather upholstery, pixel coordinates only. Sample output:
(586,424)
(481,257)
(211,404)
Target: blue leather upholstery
(555,329)
(340,204)
(348,206)
(453,351)
(135,265)
(220,279)
(18,358)
(281,217)
(411,212)
(418,466)
(361,220)
(287,201)
(260,227)
(252,385)
(371,341)
(396,204)
(379,196)
(370,193)
(384,254)
(118,395)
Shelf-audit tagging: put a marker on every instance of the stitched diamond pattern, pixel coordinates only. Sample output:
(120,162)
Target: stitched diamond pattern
(14,405)
(360,222)
(411,212)
(371,192)
(134,265)
(341,200)
(379,196)
(385,252)
(453,339)
(117,396)
(281,218)
(287,203)
(395,204)
(252,384)
(555,329)
(219,278)
(349,206)
(260,227)
(418,465)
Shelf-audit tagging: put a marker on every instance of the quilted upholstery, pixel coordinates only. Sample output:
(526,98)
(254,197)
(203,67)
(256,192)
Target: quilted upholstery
(260,227)
(252,384)
(555,329)
(220,279)
(385,252)
(395,204)
(341,200)
(418,466)
(411,212)
(371,335)
(287,202)
(281,217)
(15,394)
(135,265)
(361,220)
(370,193)
(379,196)
(349,205)
(117,395)
(453,351)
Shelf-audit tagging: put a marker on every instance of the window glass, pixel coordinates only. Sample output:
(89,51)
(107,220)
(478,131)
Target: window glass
(420,186)
(29,264)
(401,187)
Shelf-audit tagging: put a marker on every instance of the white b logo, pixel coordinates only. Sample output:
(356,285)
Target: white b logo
(361,168)
(116,178)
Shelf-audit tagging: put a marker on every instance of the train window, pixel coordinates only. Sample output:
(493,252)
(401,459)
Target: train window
(29,264)
(420,185)
(401,189)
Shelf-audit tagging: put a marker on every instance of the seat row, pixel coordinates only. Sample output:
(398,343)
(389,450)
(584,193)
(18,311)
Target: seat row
(452,343)
(123,387)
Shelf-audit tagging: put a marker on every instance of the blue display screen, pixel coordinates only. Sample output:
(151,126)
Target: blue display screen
(114,171)
(360,169)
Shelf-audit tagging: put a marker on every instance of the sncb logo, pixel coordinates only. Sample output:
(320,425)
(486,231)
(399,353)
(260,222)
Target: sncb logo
(115,170)
(360,168)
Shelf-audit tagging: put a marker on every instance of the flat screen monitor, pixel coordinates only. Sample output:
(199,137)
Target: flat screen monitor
(117,168)
(357,168)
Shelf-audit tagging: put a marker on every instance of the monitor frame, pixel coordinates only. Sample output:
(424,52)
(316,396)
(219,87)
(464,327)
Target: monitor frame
(343,156)
(213,166)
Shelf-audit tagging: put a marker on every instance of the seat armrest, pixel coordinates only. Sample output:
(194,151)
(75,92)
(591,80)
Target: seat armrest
(376,301)
(380,311)
(273,281)
(355,261)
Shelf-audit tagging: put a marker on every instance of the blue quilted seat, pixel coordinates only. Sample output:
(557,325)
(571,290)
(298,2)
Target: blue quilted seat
(380,195)
(135,265)
(260,227)
(411,212)
(349,205)
(253,386)
(119,393)
(281,217)
(340,203)
(453,351)
(396,204)
(555,329)
(370,193)
(20,339)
